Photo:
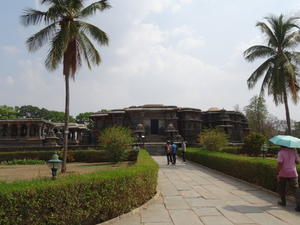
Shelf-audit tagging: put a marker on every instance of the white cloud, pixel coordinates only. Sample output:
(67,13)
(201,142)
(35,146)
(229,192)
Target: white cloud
(31,77)
(11,50)
(189,43)
(9,80)
(176,8)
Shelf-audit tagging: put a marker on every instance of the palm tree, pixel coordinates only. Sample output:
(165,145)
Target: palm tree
(279,71)
(67,34)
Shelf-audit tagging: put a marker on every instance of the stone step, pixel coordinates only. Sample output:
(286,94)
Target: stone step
(157,148)
(156,138)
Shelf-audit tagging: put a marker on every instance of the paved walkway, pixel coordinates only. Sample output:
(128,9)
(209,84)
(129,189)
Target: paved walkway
(189,194)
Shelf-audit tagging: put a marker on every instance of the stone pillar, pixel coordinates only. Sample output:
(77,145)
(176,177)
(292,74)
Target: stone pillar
(19,130)
(40,132)
(79,135)
(73,134)
(28,130)
(9,127)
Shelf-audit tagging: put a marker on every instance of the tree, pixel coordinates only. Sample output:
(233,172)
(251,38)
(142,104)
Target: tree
(213,139)
(57,117)
(252,143)
(279,70)
(237,108)
(296,130)
(69,44)
(84,118)
(256,113)
(7,112)
(115,141)
(29,111)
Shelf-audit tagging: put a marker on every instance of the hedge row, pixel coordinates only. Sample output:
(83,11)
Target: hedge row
(255,170)
(79,199)
(273,150)
(88,156)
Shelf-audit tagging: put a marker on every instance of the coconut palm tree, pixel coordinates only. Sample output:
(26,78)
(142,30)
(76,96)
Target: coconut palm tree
(279,71)
(67,33)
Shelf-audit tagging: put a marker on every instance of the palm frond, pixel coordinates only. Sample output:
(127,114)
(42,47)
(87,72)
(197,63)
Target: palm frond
(55,54)
(91,9)
(258,73)
(38,40)
(99,35)
(89,50)
(292,41)
(258,51)
(272,39)
(32,17)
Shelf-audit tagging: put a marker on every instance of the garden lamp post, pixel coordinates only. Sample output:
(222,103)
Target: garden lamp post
(264,149)
(54,164)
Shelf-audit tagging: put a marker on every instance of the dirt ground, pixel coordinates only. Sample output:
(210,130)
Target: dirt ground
(10,173)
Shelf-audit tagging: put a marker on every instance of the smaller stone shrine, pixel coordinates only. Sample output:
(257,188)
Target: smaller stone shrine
(27,132)
(78,133)
(24,132)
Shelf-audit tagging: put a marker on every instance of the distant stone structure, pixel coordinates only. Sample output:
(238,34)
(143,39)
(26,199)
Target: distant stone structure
(159,123)
(78,133)
(151,123)
(26,133)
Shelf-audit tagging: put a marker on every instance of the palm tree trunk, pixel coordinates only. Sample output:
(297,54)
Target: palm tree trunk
(66,129)
(287,113)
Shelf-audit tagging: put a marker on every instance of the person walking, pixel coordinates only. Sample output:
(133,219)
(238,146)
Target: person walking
(183,150)
(174,150)
(168,152)
(287,172)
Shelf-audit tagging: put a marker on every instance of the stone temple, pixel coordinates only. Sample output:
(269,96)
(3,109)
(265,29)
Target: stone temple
(153,125)
(159,123)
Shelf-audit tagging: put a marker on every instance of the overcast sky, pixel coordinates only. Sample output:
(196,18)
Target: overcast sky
(187,53)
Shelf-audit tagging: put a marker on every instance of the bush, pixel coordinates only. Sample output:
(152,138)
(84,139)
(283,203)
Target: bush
(253,143)
(115,140)
(23,162)
(89,156)
(79,199)
(214,139)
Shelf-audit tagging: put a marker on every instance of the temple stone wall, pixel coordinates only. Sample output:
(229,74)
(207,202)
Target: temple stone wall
(171,122)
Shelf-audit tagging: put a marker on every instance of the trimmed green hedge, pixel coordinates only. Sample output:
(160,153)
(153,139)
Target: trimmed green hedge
(255,170)
(273,150)
(79,199)
(88,156)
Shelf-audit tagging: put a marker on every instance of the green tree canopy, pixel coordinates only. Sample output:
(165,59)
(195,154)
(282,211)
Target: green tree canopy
(7,112)
(84,118)
(256,113)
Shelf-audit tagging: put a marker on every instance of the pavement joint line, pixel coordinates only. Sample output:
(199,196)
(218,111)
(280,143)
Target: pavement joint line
(242,181)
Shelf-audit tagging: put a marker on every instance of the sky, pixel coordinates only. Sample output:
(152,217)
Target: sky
(185,53)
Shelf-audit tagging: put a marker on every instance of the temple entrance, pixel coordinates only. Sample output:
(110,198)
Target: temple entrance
(154,126)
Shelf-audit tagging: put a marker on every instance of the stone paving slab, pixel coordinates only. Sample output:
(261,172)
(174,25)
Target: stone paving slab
(189,194)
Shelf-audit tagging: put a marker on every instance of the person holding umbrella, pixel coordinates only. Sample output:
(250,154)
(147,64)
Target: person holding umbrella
(286,167)
(287,172)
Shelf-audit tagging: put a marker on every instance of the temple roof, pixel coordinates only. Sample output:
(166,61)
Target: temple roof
(213,109)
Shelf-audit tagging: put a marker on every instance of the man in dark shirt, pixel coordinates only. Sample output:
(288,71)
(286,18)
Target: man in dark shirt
(174,150)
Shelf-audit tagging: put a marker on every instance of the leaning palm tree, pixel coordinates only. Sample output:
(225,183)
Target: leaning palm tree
(67,33)
(279,71)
